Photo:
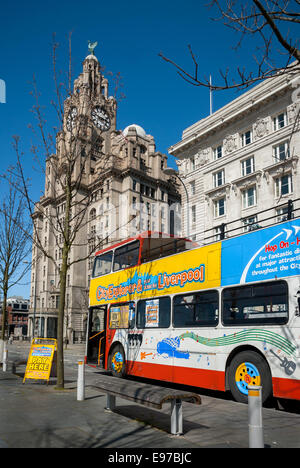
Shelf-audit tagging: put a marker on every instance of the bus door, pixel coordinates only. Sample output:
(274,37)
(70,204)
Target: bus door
(96,336)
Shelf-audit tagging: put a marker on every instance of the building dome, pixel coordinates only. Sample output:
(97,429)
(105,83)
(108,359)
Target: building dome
(91,57)
(139,130)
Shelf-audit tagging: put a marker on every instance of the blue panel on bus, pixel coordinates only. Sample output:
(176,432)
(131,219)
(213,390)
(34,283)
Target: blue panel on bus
(260,255)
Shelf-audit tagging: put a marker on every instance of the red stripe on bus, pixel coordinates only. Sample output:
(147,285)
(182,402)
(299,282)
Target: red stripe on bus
(286,388)
(205,378)
(211,379)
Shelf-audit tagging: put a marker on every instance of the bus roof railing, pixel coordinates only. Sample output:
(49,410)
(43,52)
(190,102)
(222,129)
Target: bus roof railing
(143,235)
(224,232)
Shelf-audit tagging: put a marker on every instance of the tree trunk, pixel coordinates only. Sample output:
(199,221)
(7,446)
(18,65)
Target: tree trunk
(62,298)
(4,303)
(4,314)
(60,325)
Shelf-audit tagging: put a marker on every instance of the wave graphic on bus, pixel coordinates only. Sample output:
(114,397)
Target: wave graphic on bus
(169,346)
(265,336)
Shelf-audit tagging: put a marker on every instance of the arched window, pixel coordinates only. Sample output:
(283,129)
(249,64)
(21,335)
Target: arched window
(92,214)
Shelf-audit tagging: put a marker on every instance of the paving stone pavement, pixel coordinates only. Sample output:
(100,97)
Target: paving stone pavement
(36,415)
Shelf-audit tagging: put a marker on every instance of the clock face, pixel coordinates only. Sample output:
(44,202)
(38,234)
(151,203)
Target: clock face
(100,118)
(71,119)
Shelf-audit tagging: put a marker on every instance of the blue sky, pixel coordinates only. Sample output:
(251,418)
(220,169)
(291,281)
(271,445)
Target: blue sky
(130,36)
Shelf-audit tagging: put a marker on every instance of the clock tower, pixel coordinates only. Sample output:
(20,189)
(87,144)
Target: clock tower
(89,116)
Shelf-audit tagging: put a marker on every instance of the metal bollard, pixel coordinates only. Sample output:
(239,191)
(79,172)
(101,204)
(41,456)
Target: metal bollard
(80,382)
(110,403)
(176,417)
(256,439)
(5,357)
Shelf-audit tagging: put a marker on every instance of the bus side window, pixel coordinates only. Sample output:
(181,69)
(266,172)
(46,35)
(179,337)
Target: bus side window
(122,316)
(196,310)
(256,304)
(126,256)
(102,264)
(154,313)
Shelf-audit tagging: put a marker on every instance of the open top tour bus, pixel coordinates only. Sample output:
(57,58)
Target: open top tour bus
(220,317)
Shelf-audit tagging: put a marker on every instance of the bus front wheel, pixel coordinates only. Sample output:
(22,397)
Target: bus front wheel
(117,361)
(249,368)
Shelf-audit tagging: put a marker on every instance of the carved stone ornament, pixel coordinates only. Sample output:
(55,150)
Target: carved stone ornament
(179,164)
(292,112)
(202,157)
(182,166)
(230,143)
(261,128)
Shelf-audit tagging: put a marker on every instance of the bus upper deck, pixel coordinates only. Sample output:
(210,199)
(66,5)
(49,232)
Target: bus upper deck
(145,247)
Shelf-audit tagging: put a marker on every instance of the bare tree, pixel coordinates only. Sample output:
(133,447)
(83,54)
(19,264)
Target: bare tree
(15,245)
(270,21)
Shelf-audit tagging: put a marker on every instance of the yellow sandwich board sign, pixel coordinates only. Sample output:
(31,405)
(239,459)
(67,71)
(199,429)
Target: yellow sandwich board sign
(40,358)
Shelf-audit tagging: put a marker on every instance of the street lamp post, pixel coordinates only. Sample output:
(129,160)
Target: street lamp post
(172,172)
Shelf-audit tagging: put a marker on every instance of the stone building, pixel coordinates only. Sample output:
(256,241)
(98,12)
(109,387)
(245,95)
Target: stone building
(240,165)
(122,174)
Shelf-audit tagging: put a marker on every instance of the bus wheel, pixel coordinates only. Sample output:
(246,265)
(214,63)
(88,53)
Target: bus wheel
(117,361)
(249,368)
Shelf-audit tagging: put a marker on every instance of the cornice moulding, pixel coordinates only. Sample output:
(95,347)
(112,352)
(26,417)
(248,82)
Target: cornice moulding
(259,94)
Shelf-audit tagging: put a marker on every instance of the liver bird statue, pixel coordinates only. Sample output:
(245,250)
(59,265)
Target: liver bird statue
(92,46)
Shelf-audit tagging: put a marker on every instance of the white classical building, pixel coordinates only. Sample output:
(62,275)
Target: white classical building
(240,165)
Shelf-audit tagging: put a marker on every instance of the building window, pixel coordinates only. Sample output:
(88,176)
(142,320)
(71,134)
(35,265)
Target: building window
(282,214)
(283,185)
(279,121)
(250,224)
(249,197)
(219,178)
(247,166)
(192,164)
(193,213)
(218,152)
(246,138)
(219,207)
(193,187)
(134,185)
(219,233)
(281,151)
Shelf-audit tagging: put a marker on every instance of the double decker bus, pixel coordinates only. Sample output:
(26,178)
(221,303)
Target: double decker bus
(221,316)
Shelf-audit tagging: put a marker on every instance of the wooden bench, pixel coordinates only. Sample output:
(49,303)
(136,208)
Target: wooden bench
(145,394)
